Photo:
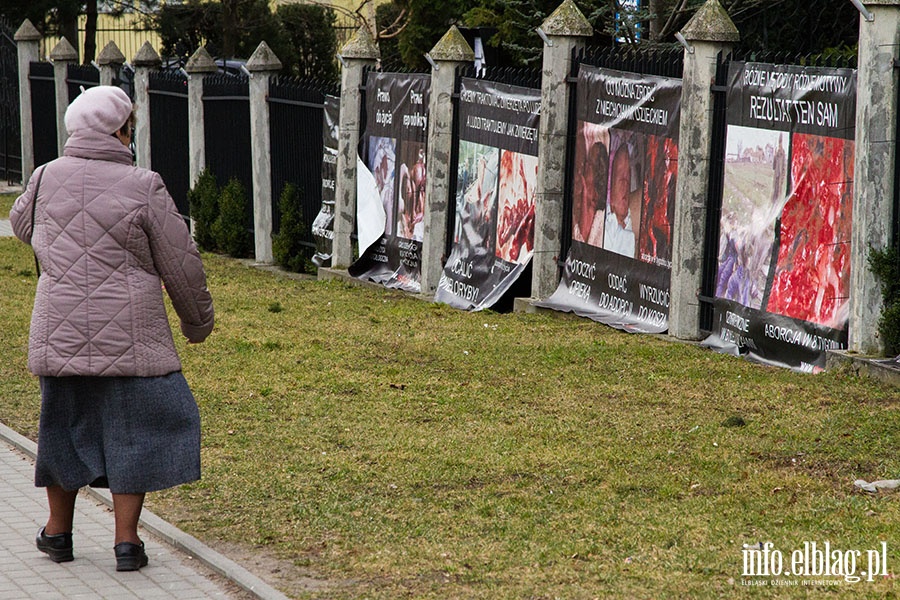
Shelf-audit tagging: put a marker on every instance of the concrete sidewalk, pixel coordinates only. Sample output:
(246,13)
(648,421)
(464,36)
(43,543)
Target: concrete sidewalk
(180,566)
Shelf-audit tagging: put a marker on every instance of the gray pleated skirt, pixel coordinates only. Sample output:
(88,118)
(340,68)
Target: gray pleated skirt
(130,434)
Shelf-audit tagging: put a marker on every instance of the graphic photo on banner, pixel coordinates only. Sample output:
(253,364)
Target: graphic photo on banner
(754,193)
(591,183)
(411,203)
(812,275)
(383,162)
(479,168)
(625,185)
(515,221)
(658,201)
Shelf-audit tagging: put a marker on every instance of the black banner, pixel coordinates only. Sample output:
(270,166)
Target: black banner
(626,166)
(395,139)
(323,225)
(496,179)
(782,286)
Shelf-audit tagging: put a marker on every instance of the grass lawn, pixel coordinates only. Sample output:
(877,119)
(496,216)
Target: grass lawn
(6,202)
(384,447)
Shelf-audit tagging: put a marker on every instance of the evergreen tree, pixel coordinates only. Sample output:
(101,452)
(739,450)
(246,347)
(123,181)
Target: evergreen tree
(203,200)
(232,229)
(287,245)
(311,40)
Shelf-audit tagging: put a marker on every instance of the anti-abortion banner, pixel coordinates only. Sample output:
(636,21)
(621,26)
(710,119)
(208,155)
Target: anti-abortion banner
(625,168)
(497,174)
(323,225)
(782,287)
(396,132)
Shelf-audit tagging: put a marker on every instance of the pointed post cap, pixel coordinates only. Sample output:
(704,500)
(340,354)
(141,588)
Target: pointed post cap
(146,56)
(711,24)
(362,45)
(263,59)
(110,55)
(452,47)
(567,20)
(27,32)
(201,62)
(63,52)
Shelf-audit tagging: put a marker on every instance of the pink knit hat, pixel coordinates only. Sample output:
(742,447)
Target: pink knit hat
(103,108)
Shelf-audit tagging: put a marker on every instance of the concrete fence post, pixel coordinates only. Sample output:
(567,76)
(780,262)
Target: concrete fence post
(262,65)
(28,49)
(199,64)
(708,33)
(110,60)
(62,55)
(361,51)
(145,60)
(450,52)
(874,169)
(561,31)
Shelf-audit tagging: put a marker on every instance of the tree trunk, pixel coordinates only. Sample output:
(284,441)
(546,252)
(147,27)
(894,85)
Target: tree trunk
(229,28)
(68,28)
(90,31)
(654,23)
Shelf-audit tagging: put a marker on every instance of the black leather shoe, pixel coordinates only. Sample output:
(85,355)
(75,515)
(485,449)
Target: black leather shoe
(58,547)
(130,557)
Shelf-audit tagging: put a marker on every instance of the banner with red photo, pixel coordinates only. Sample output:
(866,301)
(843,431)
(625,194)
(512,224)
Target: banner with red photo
(395,153)
(626,166)
(496,179)
(782,286)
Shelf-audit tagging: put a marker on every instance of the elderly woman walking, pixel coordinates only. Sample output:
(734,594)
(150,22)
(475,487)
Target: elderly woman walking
(116,411)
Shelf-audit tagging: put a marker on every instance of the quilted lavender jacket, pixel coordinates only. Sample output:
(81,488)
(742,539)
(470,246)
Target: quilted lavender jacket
(107,234)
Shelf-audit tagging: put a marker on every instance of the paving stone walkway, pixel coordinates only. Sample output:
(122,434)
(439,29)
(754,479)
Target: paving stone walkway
(27,573)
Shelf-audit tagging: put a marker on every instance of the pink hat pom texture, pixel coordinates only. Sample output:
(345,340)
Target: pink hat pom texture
(103,108)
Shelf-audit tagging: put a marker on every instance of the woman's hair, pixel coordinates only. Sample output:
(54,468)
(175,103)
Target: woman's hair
(126,127)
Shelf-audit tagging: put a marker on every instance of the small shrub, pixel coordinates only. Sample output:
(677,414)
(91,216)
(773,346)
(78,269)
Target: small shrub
(232,227)
(885,265)
(288,249)
(204,206)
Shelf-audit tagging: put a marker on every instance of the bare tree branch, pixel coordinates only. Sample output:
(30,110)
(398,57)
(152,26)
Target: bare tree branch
(679,9)
(387,32)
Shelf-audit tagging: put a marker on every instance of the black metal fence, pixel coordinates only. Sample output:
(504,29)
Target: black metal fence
(660,61)
(10,134)
(169,134)
(296,109)
(81,76)
(43,112)
(226,116)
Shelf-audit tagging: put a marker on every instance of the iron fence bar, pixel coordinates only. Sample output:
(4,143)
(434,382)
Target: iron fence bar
(714,194)
(273,100)
(153,92)
(231,98)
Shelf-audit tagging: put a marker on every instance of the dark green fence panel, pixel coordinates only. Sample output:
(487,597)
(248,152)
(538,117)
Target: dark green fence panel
(169,134)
